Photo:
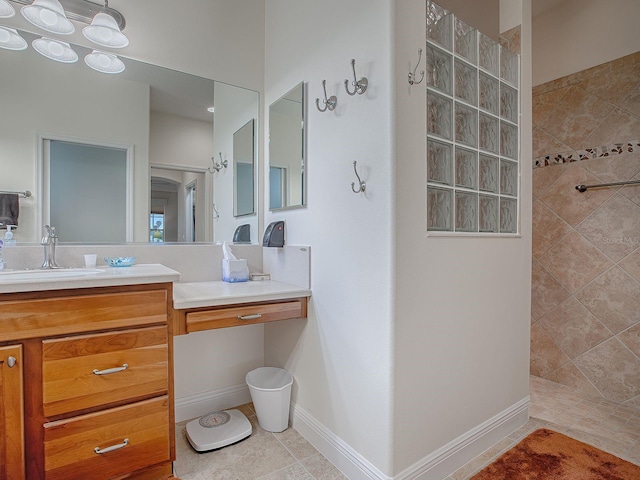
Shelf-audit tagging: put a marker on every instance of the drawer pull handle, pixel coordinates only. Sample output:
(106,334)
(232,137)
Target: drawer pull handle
(11,361)
(101,451)
(109,371)
(255,316)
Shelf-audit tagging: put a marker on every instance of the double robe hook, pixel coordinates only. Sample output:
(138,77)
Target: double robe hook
(360,85)
(219,165)
(329,103)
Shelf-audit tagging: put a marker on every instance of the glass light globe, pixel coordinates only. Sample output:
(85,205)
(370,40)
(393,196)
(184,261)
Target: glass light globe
(10,39)
(104,31)
(49,16)
(104,62)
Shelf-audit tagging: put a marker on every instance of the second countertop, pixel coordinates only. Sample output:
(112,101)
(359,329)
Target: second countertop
(208,294)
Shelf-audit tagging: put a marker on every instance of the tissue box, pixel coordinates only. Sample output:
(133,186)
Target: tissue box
(234,271)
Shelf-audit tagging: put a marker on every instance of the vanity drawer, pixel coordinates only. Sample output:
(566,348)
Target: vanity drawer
(31,316)
(238,315)
(139,435)
(87,371)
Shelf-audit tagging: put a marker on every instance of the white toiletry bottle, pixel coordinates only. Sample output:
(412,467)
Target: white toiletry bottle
(1,260)
(8,237)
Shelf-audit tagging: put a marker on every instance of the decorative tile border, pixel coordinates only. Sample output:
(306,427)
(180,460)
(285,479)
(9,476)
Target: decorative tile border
(586,154)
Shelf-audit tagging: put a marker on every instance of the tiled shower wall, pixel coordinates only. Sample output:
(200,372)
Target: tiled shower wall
(586,246)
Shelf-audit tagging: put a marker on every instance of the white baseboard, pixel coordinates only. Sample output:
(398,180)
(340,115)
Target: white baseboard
(202,403)
(435,466)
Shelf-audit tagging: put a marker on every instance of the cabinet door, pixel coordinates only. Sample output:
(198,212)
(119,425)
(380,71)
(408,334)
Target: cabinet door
(11,414)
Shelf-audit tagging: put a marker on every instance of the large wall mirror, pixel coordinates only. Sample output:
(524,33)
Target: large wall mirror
(287,150)
(171,123)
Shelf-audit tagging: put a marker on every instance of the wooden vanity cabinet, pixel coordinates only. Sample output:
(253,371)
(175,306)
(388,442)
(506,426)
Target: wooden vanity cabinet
(191,320)
(98,382)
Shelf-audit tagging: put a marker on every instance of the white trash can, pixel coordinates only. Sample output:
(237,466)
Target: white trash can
(270,390)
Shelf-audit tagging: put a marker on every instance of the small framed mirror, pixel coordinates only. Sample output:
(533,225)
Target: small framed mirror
(244,170)
(287,150)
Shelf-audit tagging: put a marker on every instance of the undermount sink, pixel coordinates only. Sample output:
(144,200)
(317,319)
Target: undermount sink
(45,274)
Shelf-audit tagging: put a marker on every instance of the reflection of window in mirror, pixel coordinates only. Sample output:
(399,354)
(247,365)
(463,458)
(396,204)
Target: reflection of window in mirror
(156,227)
(277,187)
(85,187)
(287,150)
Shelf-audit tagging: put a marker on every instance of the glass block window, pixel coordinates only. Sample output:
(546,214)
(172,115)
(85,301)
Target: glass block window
(473,136)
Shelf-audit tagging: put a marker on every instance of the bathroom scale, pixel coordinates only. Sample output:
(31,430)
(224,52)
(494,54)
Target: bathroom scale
(218,429)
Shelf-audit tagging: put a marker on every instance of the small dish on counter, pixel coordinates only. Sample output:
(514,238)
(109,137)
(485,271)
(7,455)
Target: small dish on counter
(120,261)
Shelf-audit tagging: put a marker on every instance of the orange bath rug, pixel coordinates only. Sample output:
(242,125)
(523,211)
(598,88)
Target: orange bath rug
(548,455)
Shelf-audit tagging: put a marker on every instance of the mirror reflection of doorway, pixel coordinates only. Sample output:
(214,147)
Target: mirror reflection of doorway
(177,206)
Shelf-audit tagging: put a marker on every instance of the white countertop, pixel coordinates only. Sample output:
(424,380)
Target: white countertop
(62,279)
(207,294)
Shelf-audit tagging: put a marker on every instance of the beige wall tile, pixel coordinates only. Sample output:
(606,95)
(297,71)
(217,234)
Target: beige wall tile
(632,103)
(571,376)
(613,299)
(544,177)
(618,126)
(632,192)
(614,228)
(615,168)
(548,228)
(545,143)
(613,86)
(613,369)
(546,292)
(631,264)
(546,103)
(574,262)
(576,116)
(566,201)
(546,356)
(631,338)
(573,328)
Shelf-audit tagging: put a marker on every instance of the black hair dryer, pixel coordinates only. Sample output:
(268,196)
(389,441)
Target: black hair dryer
(274,235)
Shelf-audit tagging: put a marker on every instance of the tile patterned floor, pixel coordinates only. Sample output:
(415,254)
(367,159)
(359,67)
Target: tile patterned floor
(288,456)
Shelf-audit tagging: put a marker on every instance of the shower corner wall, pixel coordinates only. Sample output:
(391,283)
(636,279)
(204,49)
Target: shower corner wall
(585,329)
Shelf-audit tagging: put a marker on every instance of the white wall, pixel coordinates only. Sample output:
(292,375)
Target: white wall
(461,304)
(579,34)
(341,356)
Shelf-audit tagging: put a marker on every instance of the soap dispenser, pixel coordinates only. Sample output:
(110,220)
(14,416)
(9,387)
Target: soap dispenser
(8,236)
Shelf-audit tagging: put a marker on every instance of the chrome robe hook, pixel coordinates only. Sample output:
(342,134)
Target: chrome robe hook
(329,103)
(412,75)
(219,165)
(360,85)
(362,185)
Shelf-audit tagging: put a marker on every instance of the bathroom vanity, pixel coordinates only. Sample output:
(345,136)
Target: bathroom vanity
(86,364)
(209,305)
(87,375)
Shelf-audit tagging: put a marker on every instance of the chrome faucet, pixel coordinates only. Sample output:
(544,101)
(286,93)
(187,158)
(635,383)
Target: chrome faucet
(49,242)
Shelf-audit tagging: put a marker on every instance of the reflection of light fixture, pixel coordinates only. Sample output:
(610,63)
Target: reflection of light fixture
(11,39)
(6,9)
(104,62)
(49,16)
(55,50)
(104,30)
